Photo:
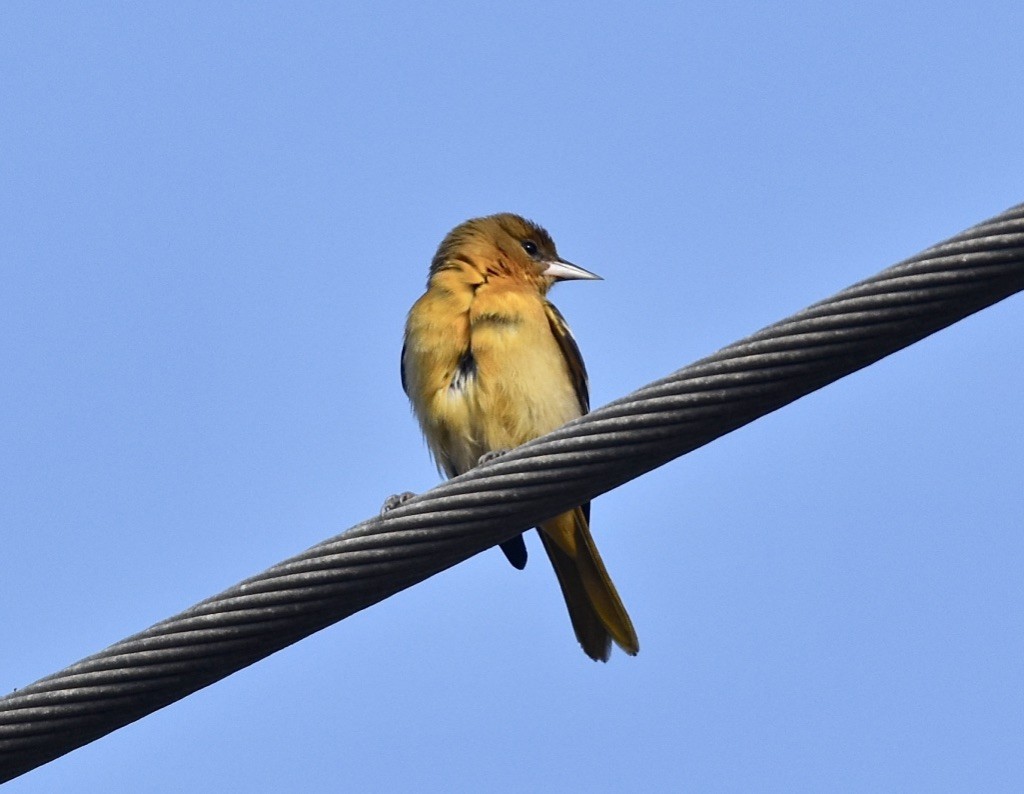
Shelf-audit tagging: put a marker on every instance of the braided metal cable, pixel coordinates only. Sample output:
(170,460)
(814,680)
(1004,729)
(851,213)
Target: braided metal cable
(492,503)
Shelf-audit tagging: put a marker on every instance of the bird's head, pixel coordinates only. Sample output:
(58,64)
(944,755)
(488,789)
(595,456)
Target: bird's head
(506,245)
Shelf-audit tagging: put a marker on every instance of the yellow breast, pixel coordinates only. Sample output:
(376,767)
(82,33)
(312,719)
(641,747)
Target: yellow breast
(485,372)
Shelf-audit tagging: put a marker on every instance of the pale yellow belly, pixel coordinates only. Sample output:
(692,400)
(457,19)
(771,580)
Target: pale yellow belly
(521,389)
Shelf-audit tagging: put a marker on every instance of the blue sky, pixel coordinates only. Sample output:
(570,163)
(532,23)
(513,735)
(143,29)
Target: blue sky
(215,219)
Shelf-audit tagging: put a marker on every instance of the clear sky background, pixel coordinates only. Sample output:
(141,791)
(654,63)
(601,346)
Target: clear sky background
(214,218)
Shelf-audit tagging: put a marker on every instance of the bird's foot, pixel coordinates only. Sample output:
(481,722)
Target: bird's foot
(395,500)
(494,454)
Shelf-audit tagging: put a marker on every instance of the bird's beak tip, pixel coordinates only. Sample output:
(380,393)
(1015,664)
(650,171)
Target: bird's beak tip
(560,270)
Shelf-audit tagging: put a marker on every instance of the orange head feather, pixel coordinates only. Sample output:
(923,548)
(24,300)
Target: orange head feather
(505,245)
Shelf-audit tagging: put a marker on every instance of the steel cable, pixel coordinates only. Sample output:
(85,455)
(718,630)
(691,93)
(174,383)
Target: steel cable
(464,516)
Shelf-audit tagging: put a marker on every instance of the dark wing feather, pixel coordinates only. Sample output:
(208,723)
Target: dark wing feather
(574,361)
(515,551)
(571,353)
(405,384)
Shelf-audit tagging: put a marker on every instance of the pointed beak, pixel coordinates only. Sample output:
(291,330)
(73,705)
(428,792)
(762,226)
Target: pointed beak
(560,270)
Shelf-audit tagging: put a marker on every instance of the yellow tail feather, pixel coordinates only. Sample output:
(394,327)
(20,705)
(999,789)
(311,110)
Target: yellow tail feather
(595,609)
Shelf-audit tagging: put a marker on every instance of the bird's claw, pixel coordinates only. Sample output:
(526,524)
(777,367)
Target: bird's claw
(494,454)
(395,500)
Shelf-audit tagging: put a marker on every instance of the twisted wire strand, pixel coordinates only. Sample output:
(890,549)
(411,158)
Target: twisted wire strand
(448,524)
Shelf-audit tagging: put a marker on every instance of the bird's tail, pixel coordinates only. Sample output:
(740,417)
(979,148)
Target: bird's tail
(595,609)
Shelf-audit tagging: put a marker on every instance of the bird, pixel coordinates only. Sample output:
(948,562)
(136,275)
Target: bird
(489,363)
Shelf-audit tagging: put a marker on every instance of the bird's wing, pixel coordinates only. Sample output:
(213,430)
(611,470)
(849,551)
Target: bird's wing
(405,382)
(571,354)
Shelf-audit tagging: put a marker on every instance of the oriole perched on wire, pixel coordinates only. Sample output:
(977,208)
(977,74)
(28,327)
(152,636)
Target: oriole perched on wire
(488,364)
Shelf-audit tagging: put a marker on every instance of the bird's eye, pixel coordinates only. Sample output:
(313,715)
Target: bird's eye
(530,247)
